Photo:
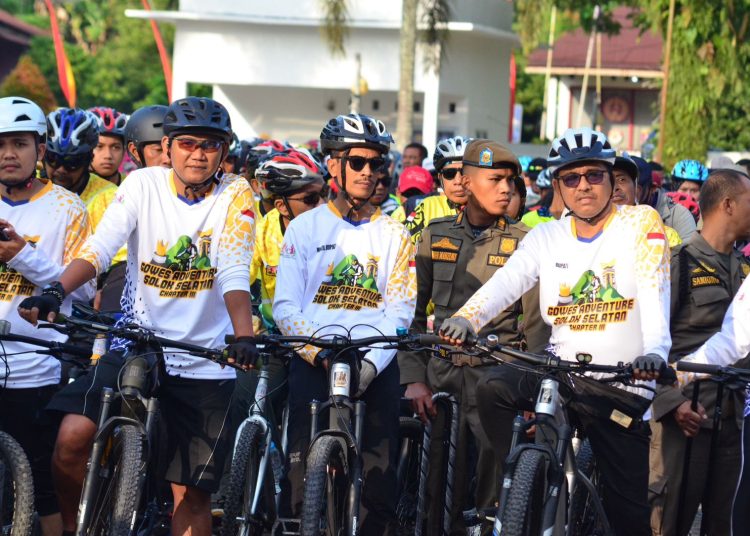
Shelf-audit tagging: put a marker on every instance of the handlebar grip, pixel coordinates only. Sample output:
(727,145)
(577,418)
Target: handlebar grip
(430,340)
(700,368)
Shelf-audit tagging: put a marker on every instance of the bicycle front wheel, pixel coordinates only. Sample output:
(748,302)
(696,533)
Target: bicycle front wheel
(120,467)
(17,502)
(411,433)
(327,484)
(584,517)
(243,479)
(524,509)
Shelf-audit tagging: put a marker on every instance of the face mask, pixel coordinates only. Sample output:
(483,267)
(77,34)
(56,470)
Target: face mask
(532,198)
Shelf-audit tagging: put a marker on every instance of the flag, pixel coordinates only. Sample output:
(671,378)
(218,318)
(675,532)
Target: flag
(64,69)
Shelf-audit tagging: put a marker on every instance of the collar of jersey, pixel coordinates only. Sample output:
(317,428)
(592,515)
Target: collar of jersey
(45,189)
(190,202)
(332,208)
(597,235)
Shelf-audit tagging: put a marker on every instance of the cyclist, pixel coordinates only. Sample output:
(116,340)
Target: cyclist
(382,198)
(552,205)
(413,155)
(197,299)
(447,162)
(531,173)
(143,135)
(44,227)
(255,157)
(316,296)
(706,273)
(690,176)
(110,149)
(599,257)
(652,192)
(455,256)
(415,184)
(629,185)
(231,163)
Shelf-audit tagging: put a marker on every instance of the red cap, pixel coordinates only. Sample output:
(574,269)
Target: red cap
(415,177)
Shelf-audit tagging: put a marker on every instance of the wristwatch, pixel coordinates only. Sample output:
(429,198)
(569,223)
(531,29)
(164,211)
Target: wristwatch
(55,289)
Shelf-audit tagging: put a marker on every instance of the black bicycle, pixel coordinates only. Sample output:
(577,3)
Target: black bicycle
(16,483)
(121,490)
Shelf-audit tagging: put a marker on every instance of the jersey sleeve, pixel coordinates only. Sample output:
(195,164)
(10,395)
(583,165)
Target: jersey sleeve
(115,227)
(507,284)
(291,280)
(236,244)
(732,342)
(653,283)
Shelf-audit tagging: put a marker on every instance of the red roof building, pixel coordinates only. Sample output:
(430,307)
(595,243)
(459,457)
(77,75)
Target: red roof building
(630,72)
(15,36)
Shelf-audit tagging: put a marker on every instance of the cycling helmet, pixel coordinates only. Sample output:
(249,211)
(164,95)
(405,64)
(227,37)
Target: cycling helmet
(146,125)
(449,150)
(285,173)
(544,180)
(110,121)
(234,148)
(645,172)
(72,131)
(525,160)
(264,150)
(415,177)
(536,166)
(198,115)
(355,130)
(686,201)
(690,170)
(579,145)
(18,114)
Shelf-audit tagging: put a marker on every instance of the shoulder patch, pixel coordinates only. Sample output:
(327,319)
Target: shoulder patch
(508,245)
(446,243)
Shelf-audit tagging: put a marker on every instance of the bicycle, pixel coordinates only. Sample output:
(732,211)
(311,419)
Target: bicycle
(544,488)
(121,492)
(333,477)
(251,497)
(17,514)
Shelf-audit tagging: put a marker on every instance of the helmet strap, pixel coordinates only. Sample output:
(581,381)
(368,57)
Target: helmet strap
(593,219)
(23,185)
(289,209)
(193,191)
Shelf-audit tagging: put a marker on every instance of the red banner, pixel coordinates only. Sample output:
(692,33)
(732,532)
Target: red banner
(64,70)
(166,63)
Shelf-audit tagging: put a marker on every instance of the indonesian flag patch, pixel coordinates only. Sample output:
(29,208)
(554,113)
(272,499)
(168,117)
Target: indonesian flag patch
(655,239)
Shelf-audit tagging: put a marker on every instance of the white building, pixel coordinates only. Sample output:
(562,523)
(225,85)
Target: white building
(269,64)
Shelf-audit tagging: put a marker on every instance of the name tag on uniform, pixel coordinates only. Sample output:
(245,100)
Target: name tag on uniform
(444,249)
(698,281)
(497,260)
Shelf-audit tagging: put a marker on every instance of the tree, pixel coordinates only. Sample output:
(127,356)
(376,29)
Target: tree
(435,15)
(27,80)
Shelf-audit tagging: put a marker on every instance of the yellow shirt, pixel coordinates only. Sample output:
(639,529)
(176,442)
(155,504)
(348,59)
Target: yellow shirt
(268,239)
(433,207)
(97,205)
(95,186)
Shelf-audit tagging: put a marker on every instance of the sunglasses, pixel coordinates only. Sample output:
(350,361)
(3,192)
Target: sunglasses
(386,181)
(70,163)
(190,145)
(451,173)
(572,180)
(311,199)
(358,163)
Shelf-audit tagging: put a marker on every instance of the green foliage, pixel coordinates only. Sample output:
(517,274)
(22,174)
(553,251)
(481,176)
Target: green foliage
(26,80)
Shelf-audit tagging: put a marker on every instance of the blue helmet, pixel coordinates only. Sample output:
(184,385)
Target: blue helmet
(72,131)
(525,160)
(690,170)
(580,145)
(544,180)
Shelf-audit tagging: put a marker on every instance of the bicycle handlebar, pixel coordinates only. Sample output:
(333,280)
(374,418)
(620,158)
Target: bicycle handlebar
(714,370)
(341,342)
(53,347)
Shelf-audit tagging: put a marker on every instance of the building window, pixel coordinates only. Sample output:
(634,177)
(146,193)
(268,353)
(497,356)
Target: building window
(417,106)
(481,134)
(452,107)
(376,105)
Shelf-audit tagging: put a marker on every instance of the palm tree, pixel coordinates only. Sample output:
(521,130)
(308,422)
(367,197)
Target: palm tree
(435,15)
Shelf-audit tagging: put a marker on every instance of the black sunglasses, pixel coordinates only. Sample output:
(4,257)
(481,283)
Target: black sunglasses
(190,145)
(311,199)
(358,163)
(572,180)
(69,162)
(386,181)
(450,173)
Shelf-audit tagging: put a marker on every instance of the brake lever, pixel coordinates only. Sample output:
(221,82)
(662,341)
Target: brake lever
(65,330)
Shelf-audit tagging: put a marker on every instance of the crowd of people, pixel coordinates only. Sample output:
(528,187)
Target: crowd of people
(585,250)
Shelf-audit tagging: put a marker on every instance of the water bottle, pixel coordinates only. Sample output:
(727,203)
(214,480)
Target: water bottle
(277,466)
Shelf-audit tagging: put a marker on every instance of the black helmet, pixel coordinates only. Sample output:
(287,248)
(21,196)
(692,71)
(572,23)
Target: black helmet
(355,130)
(198,115)
(146,125)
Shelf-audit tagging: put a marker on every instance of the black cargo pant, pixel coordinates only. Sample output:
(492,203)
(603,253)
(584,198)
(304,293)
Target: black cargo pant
(379,444)
(621,453)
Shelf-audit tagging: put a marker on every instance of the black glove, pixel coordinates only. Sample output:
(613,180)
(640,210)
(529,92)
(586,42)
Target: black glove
(243,351)
(649,363)
(46,303)
(458,328)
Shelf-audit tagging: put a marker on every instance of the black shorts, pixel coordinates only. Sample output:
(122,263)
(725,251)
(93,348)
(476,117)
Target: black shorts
(194,413)
(22,416)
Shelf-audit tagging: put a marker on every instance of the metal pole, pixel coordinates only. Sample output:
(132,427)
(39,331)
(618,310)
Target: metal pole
(548,71)
(356,97)
(665,84)
(598,101)
(587,67)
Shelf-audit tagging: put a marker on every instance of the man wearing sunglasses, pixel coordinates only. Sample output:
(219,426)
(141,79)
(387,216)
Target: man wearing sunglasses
(383,199)
(604,282)
(42,228)
(190,237)
(447,160)
(345,268)
(455,256)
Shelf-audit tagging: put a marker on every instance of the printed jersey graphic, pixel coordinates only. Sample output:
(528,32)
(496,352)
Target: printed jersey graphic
(182,270)
(351,285)
(12,283)
(592,303)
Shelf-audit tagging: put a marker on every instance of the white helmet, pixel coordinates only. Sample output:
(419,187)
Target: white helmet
(19,114)
(449,150)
